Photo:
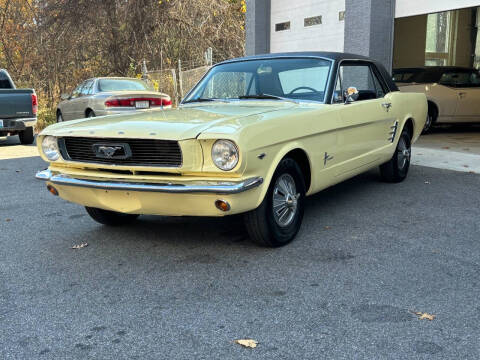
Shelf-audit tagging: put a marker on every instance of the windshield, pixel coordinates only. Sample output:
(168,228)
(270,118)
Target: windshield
(122,85)
(278,79)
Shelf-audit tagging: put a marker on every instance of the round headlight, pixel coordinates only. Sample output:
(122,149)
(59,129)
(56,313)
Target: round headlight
(225,154)
(50,148)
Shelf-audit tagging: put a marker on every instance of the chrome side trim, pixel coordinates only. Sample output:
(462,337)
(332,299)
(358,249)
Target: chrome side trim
(394,132)
(209,187)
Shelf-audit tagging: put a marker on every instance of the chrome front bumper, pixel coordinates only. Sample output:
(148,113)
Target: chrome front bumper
(207,187)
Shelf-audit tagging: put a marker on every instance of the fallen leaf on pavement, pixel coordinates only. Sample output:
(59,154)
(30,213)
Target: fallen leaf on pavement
(328,227)
(8,220)
(81,246)
(424,316)
(247,343)
(18,171)
(446,147)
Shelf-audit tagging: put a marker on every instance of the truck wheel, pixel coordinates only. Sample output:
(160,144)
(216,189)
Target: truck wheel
(277,220)
(396,169)
(26,136)
(110,218)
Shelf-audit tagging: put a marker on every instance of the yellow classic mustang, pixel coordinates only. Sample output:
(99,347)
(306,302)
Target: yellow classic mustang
(254,136)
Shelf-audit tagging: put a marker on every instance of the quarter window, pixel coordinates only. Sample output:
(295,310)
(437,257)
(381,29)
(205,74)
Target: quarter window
(86,88)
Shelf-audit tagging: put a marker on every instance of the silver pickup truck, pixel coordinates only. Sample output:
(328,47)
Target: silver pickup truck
(18,110)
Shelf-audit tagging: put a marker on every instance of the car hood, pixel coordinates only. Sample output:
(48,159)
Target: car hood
(185,122)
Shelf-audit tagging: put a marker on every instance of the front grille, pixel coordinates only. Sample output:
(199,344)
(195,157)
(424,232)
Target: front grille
(140,152)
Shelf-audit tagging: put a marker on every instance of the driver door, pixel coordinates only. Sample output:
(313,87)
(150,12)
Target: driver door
(364,124)
(69,109)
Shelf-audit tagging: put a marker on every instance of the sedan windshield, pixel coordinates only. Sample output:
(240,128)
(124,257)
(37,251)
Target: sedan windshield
(122,85)
(272,79)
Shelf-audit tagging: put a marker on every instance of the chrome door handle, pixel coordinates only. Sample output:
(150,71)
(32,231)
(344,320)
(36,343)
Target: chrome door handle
(387,106)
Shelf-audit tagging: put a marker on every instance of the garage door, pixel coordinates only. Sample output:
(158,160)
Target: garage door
(414,7)
(307,25)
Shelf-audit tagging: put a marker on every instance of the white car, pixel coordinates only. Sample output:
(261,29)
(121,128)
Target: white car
(453,93)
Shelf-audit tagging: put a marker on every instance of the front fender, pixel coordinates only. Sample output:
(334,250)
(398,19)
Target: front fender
(266,166)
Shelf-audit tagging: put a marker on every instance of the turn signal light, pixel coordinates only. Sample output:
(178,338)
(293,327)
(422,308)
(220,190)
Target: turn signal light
(222,205)
(52,190)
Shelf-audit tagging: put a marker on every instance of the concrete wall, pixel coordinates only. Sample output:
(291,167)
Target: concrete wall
(464,41)
(327,36)
(410,39)
(369,29)
(418,7)
(257,27)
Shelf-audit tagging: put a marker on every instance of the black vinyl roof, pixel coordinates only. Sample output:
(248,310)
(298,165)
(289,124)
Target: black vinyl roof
(337,56)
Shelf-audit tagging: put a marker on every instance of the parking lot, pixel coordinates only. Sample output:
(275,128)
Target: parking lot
(369,255)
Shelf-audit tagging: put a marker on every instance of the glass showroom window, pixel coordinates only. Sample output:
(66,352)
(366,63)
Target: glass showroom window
(437,48)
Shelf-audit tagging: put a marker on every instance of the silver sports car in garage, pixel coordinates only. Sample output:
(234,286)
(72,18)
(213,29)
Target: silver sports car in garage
(106,96)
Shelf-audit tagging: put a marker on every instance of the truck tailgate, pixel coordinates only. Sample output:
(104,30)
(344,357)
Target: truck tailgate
(16,103)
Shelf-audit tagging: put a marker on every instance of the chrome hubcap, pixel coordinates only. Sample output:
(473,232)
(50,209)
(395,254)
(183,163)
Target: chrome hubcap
(404,154)
(285,200)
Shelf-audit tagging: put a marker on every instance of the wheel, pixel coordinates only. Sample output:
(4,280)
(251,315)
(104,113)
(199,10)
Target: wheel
(59,116)
(111,218)
(396,169)
(90,114)
(277,220)
(431,118)
(26,136)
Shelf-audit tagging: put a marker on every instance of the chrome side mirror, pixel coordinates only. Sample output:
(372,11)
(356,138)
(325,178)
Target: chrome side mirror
(351,95)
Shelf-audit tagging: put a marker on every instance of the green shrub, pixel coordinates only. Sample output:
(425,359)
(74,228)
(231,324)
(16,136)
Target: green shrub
(46,116)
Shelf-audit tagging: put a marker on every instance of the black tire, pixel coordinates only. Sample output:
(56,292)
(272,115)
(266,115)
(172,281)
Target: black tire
(110,218)
(431,118)
(90,114)
(396,170)
(59,117)
(262,225)
(26,136)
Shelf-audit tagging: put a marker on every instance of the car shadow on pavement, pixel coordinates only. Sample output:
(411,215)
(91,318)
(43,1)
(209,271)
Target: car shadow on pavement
(224,232)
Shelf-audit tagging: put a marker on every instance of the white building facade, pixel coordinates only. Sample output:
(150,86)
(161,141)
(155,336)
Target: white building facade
(367,27)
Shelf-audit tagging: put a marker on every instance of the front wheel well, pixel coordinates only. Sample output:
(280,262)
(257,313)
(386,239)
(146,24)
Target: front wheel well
(88,111)
(301,158)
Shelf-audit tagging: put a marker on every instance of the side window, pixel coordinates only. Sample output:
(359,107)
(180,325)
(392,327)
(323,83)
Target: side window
(379,89)
(77,91)
(4,82)
(91,88)
(460,79)
(86,88)
(361,77)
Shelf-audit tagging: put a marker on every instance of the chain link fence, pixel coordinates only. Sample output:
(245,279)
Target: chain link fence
(165,81)
(178,82)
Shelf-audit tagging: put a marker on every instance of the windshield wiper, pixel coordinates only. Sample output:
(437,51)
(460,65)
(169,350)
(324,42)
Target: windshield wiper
(204,100)
(267,96)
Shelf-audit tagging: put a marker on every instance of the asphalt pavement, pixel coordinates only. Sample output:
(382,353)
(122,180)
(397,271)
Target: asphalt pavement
(368,256)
